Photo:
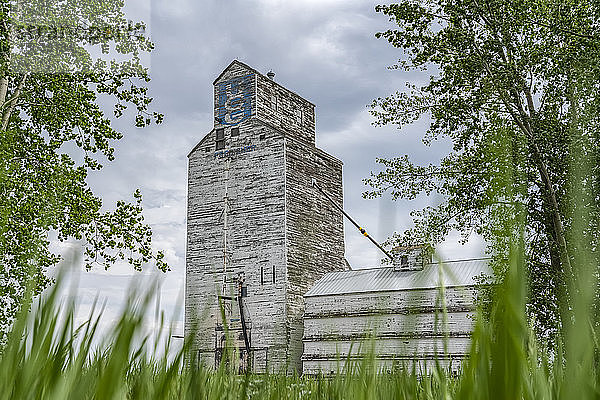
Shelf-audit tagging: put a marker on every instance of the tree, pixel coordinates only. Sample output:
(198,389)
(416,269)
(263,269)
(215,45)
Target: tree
(514,85)
(53,131)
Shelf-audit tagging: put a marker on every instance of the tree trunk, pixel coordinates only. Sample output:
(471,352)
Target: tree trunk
(3,90)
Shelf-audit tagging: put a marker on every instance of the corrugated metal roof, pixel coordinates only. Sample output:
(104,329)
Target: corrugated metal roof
(453,273)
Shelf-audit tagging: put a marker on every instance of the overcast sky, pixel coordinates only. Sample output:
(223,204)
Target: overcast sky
(324,50)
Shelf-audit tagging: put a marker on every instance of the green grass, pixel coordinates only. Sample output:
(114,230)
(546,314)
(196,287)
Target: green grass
(47,357)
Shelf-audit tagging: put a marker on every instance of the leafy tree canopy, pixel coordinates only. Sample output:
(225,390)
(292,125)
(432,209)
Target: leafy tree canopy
(58,61)
(514,84)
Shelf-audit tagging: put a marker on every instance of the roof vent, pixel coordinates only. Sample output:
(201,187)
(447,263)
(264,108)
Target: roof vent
(411,258)
(271,75)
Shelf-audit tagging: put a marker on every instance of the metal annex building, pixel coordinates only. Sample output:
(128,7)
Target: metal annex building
(265,237)
(397,313)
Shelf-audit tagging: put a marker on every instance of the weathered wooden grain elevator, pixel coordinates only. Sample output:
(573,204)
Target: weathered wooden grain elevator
(265,268)
(259,235)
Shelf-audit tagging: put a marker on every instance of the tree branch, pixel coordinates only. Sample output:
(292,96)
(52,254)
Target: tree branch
(579,35)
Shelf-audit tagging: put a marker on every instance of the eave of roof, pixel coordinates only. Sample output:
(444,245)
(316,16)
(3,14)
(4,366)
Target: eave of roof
(199,143)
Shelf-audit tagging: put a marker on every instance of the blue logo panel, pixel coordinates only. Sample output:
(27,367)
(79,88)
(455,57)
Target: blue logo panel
(234,100)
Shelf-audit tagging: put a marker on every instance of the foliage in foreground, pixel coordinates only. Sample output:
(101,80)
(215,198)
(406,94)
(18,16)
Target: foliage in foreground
(47,357)
(64,66)
(513,85)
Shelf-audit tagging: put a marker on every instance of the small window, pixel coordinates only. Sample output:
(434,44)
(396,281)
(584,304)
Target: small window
(404,261)
(262,137)
(262,276)
(273,103)
(273,274)
(220,140)
(298,116)
(235,131)
(207,149)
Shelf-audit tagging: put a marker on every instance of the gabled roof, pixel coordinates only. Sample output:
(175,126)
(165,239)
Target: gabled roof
(233,63)
(260,74)
(453,273)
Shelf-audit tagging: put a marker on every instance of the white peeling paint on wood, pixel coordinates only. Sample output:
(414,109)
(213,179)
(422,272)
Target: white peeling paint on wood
(394,326)
(276,221)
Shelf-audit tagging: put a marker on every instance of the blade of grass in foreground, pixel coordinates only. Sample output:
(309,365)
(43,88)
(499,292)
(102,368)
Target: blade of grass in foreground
(47,357)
